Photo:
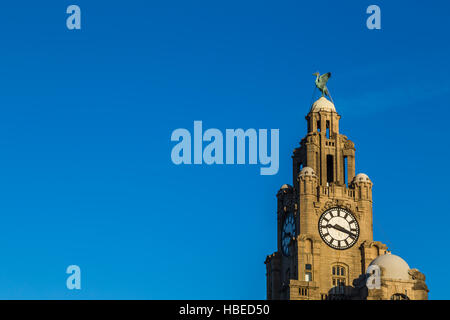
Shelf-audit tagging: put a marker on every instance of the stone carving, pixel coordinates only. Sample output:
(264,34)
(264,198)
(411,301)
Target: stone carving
(349,145)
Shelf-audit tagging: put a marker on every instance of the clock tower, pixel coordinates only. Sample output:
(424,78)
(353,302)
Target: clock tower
(324,222)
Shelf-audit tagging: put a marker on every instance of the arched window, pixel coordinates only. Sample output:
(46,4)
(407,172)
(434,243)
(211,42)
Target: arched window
(339,275)
(399,296)
(330,168)
(338,270)
(328,129)
(345,164)
(308,272)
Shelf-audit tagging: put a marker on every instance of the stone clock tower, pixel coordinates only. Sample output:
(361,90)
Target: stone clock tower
(324,221)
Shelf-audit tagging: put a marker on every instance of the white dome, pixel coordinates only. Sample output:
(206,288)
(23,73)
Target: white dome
(361,177)
(323,104)
(285,186)
(307,171)
(394,266)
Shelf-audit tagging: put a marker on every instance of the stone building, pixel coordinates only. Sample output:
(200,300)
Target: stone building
(324,221)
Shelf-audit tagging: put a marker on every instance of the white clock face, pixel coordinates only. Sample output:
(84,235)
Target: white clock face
(287,233)
(338,228)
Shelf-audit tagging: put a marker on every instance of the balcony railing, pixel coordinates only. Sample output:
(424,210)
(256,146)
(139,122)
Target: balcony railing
(336,191)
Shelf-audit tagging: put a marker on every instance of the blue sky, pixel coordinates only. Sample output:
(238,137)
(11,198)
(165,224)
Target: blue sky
(86,117)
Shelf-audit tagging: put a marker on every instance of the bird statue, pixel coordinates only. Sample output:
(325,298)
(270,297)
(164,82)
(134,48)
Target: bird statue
(321,83)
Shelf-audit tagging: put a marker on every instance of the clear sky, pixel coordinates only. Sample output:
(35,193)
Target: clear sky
(86,117)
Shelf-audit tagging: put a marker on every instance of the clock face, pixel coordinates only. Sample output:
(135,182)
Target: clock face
(288,202)
(338,228)
(287,233)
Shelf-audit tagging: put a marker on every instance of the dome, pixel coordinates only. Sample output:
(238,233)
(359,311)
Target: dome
(285,186)
(361,177)
(323,104)
(394,266)
(307,171)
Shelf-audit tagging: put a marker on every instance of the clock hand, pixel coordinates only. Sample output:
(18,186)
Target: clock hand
(339,228)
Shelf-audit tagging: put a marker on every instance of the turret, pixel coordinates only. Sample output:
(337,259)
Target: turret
(307,182)
(363,187)
(330,154)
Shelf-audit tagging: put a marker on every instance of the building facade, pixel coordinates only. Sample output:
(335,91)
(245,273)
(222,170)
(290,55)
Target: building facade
(324,222)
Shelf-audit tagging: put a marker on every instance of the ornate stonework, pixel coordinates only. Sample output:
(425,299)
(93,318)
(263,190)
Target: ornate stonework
(313,265)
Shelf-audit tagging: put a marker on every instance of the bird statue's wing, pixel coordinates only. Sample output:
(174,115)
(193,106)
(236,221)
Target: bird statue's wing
(324,78)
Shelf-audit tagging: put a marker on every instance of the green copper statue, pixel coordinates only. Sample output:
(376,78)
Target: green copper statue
(321,83)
